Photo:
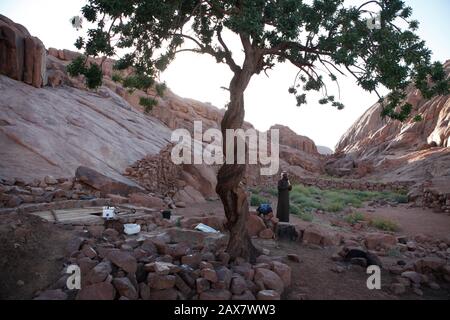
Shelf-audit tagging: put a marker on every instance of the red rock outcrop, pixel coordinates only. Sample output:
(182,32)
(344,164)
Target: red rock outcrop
(22,56)
(391,150)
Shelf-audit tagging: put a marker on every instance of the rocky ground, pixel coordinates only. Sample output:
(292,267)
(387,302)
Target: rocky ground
(169,260)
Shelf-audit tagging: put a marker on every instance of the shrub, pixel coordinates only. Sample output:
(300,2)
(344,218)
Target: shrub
(294,209)
(355,218)
(334,207)
(116,77)
(384,225)
(257,200)
(93,73)
(147,103)
(306,216)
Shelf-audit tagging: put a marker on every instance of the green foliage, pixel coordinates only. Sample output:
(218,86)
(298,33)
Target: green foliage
(92,73)
(308,199)
(257,200)
(147,103)
(306,216)
(116,77)
(384,225)
(94,76)
(77,67)
(355,218)
(418,118)
(294,209)
(321,38)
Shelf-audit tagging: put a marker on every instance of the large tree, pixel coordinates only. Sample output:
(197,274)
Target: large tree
(323,39)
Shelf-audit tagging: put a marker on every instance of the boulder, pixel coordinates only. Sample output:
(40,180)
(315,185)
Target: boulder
(104,184)
(283,271)
(125,288)
(380,240)
(124,260)
(160,282)
(98,291)
(255,225)
(144,200)
(22,57)
(269,279)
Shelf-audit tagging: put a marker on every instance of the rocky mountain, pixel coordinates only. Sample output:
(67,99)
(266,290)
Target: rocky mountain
(325,150)
(56,125)
(391,150)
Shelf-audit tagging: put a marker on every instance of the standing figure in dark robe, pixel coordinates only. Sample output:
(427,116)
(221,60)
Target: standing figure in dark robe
(284,186)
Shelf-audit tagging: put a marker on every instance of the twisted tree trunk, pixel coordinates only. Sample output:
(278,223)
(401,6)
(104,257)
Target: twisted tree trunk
(229,187)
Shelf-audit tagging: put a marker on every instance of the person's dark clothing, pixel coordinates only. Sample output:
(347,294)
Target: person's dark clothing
(283,200)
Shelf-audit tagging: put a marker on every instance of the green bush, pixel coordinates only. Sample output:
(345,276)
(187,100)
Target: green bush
(384,225)
(147,103)
(306,216)
(295,209)
(256,200)
(355,218)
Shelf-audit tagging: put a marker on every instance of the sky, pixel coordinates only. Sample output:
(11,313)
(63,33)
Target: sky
(267,101)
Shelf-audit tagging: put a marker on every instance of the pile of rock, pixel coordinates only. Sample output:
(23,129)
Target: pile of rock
(262,226)
(166,264)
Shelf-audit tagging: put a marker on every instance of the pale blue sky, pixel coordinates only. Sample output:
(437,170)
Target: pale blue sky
(267,100)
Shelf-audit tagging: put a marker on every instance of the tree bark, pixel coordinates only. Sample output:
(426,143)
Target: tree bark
(229,186)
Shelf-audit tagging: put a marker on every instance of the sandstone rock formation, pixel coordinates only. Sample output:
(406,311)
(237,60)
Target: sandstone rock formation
(22,56)
(54,131)
(391,150)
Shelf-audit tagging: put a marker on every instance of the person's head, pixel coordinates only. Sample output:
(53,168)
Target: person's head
(284,175)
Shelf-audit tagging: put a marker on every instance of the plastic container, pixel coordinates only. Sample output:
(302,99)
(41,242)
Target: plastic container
(109,213)
(204,228)
(131,229)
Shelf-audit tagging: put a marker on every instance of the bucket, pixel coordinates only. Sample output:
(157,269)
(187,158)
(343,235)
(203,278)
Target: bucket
(167,214)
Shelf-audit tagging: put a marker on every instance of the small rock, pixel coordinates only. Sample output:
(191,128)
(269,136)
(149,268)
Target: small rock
(238,285)
(50,180)
(266,234)
(144,291)
(98,291)
(246,296)
(125,288)
(160,282)
(413,276)
(398,288)
(209,274)
(124,260)
(283,271)
(269,279)
(215,295)
(202,285)
(161,268)
(268,295)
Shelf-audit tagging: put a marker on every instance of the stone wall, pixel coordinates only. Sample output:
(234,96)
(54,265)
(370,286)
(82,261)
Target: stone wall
(16,192)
